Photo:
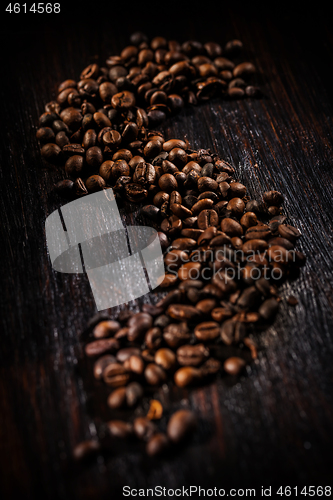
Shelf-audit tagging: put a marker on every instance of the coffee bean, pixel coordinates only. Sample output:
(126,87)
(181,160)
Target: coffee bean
(123,100)
(207,331)
(202,205)
(144,428)
(244,69)
(120,429)
(248,220)
(187,375)
(117,398)
(126,352)
(168,183)
(135,364)
(207,184)
(95,183)
(98,347)
(268,309)
(189,271)
(165,358)
(138,325)
(273,198)
(259,232)
(234,365)
(101,364)
(180,211)
(135,192)
(176,334)
(86,449)
(183,244)
(231,227)
(106,329)
(154,374)
(236,206)
(116,375)
(207,218)
(181,424)
(51,152)
(94,157)
(192,355)
(134,393)
(157,444)
(289,232)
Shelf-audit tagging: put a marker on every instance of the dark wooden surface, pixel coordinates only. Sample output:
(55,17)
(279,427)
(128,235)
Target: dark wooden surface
(274,425)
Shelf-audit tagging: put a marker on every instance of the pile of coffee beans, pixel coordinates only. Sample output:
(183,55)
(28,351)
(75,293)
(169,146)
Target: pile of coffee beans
(224,253)
(104,117)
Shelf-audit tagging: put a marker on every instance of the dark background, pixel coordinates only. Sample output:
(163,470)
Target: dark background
(274,425)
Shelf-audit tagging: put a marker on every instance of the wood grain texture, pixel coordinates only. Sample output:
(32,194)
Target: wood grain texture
(274,425)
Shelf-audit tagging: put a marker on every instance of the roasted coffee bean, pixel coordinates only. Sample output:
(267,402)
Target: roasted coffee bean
(135,192)
(101,346)
(205,306)
(123,100)
(86,449)
(153,337)
(106,329)
(289,232)
(176,334)
(168,183)
(94,157)
(248,298)
(207,218)
(189,271)
(160,198)
(273,198)
(165,358)
(232,331)
(201,205)
(117,398)
(182,312)
(268,309)
(180,211)
(231,227)
(144,428)
(126,352)
(95,183)
(244,69)
(187,375)
(192,355)
(183,244)
(45,134)
(210,367)
(116,375)
(138,325)
(259,232)
(254,246)
(234,365)
(174,143)
(157,444)
(51,152)
(248,220)
(154,374)
(181,424)
(65,187)
(101,364)
(120,429)
(236,206)
(134,393)
(135,364)
(207,331)
(282,242)
(207,184)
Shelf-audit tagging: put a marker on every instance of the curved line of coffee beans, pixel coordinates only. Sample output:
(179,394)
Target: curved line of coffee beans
(220,248)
